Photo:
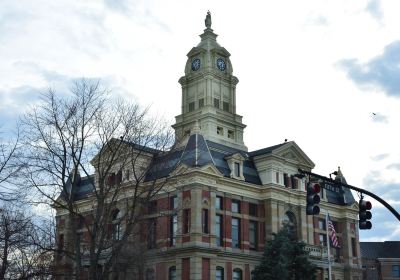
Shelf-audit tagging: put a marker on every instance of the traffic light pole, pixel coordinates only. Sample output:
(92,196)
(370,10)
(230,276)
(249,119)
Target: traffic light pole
(326,179)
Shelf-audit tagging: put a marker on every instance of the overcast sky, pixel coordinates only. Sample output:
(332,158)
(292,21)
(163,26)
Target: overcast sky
(323,73)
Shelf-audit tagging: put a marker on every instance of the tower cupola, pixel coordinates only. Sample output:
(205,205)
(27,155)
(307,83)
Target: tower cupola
(209,94)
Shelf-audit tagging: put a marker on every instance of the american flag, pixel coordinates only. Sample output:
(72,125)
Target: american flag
(332,233)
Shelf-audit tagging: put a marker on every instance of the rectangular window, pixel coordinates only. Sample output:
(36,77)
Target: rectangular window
(353,247)
(253,209)
(336,254)
(237,169)
(218,230)
(205,221)
(111,179)
(152,206)
(235,206)
(231,134)
(396,271)
(118,177)
(321,224)
(285,180)
(277,177)
(173,202)
(220,130)
(216,103)
(295,182)
(61,242)
(126,175)
(235,233)
(201,102)
(253,237)
(191,106)
(322,239)
(225,106)
(186,220)
(218,203)
(173,229)
(151,238)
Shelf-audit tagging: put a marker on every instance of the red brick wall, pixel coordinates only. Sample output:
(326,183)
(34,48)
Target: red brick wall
(186,194)
(316,238)
(61,223)
(161,271)
(227,204)
(205,269)
(244,207)
(162,231)
(261,211)
(163,204)
(186,269)
(247,272)
(229,271)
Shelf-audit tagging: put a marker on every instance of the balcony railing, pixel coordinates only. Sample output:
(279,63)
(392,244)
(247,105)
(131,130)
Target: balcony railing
(321,253)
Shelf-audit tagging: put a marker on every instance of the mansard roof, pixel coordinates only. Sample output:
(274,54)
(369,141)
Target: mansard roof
(85,187)
(199,152)
(375,250)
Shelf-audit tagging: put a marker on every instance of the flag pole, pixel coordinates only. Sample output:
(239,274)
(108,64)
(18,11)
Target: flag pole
(328,245)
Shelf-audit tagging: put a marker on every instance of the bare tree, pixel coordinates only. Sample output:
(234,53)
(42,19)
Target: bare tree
(89,157)
(10,168)
(24,246)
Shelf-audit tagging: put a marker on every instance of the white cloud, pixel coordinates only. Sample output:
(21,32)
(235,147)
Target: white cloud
(286,61)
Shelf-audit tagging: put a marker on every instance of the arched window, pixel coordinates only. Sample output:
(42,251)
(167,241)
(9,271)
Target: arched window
(150,275)
(237,274)
(116,224)
(289,219)
(219,273)
(172,273)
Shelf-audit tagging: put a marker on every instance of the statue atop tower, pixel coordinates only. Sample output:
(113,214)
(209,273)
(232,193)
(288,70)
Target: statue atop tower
(208,20)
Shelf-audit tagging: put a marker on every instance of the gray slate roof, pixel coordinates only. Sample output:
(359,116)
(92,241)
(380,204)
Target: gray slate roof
(199,152)
(375,250)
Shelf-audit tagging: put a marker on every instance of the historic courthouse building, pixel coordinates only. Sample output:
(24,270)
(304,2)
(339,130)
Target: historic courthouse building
(229,200)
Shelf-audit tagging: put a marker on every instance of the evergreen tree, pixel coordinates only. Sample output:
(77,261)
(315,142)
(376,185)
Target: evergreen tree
(284,258)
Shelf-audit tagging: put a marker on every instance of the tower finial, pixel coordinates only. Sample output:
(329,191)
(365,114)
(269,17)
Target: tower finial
(208,19)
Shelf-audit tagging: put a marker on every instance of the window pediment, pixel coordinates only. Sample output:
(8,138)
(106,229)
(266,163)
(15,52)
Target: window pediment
(235,163)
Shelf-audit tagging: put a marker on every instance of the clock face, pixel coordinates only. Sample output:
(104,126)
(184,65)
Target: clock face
(195,64)
(221,64)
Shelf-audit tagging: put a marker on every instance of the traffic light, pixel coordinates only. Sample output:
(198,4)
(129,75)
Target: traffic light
(364,214)
(313,198)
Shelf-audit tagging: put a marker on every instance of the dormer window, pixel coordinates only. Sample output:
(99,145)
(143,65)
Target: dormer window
(235,163)
(237,169)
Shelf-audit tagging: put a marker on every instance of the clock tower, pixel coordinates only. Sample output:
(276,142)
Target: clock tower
(209,95)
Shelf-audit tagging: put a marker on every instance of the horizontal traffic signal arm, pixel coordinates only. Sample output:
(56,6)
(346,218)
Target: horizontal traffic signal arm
(326,179)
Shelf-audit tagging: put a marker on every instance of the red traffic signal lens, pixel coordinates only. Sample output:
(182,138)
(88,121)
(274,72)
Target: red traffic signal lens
(316,188)
(366,205)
